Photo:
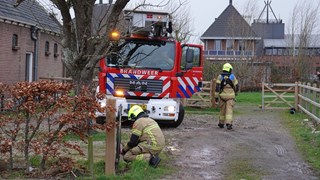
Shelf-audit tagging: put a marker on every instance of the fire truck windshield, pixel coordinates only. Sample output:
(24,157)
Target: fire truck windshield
(145,56)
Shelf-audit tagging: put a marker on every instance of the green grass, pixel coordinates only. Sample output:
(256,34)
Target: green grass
(307,142)
(243,169)
(243,98)
(249,98)
(130,171)
(35,161)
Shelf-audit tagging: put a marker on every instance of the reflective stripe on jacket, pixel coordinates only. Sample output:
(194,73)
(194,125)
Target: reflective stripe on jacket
(149,132)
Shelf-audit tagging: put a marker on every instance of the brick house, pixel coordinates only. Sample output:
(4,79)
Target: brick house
(30,42)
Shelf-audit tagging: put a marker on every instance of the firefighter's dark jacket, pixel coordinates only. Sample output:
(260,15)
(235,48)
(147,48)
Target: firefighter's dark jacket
(146,133)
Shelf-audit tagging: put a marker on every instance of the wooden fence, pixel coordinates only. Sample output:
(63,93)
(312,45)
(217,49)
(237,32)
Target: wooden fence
(308,100)
(203,99)
(303,97)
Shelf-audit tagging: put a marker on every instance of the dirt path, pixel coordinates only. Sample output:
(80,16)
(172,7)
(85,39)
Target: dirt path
(258,145)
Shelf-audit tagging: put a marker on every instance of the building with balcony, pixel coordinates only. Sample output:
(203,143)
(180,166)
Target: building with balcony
(229,37)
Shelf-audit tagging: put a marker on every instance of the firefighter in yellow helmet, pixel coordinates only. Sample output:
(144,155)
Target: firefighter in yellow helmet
(147,139)
(226,89)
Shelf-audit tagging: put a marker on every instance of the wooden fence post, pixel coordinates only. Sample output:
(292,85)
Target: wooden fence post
(184,102)
(110,138)
(308,95)
(262,99)
(212,92)
(314,97)
(90,154)
(296,96)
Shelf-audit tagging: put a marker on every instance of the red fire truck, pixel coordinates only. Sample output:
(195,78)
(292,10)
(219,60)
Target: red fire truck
(151,69)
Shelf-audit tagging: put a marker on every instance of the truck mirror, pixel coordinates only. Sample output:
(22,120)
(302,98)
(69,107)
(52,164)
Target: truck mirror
(190,54)
(189,58)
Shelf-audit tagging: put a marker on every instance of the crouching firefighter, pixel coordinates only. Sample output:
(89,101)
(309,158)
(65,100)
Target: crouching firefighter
(226,89)
(147,139)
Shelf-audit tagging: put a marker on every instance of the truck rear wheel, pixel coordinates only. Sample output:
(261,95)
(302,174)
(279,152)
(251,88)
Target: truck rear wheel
(180,116)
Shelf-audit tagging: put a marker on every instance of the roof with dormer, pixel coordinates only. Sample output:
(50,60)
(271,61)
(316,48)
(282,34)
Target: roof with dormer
(28,13)
(229,25)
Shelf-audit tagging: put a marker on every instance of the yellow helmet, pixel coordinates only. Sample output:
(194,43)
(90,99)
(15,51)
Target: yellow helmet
(134,112)
(227,67)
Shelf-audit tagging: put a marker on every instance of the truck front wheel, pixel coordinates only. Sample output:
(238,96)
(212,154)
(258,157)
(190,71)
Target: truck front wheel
(180,116)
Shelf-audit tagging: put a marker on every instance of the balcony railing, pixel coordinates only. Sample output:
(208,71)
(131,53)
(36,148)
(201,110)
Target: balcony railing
(228,53)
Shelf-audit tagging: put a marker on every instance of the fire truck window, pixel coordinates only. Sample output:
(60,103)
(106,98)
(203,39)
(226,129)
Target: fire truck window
(149,56)
(196,57)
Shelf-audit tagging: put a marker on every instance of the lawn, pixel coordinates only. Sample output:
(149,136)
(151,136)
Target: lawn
(307,136)
(308,142)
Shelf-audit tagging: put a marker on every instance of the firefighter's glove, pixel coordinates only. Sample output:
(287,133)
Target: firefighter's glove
(216,94)
(125,149)
(122,152)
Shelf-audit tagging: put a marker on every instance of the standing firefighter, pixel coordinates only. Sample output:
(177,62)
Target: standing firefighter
(147,139)
(226,88)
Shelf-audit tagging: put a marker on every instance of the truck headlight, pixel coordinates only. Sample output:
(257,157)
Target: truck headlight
(119,93)
(169,108)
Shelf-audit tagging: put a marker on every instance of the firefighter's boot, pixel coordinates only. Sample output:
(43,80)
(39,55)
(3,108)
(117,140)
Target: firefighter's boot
(154,161)
(221,125)
(229,126)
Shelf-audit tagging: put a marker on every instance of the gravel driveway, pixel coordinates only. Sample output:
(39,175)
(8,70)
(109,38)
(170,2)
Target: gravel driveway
(258,144)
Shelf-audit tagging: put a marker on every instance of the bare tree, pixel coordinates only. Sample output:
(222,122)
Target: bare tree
(250,10)
(303,25)
(81,48)
(182,21)
(82,45)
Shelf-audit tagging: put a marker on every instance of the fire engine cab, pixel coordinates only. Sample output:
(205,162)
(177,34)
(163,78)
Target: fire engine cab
(151,69)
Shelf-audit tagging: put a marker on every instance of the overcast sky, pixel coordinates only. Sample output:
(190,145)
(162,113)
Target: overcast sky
(204,12)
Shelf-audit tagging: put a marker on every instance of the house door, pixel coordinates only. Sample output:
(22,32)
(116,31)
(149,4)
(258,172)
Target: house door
(29,72)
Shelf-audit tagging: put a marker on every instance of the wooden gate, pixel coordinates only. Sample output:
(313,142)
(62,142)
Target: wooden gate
(204,98)
(278,95)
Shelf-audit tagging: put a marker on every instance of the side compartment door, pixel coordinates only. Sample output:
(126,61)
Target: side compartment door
(191,68)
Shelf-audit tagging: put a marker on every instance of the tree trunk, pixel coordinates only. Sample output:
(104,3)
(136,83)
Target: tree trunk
(83,78)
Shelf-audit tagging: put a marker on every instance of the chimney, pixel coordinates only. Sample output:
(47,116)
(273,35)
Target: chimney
(101,2)
(230,2)
(110,1)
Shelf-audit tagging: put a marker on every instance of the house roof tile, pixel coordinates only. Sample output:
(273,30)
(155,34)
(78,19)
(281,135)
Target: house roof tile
(229,24)
(31,13)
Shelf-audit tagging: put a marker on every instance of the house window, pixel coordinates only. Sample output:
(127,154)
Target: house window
(217,45)
(55,50)
(15,46)
(229,44)
(242,46)
(268,52)
(47,48)
(274,51)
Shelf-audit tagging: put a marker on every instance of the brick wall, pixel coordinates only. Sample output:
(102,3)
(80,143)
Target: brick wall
(13,62)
